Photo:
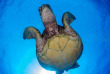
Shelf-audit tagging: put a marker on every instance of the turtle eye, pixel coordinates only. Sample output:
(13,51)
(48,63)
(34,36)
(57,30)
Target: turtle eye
(48,5)
(40,9)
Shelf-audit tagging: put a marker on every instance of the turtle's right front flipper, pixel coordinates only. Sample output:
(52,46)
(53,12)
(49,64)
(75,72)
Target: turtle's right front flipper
(31,33)
(67,19)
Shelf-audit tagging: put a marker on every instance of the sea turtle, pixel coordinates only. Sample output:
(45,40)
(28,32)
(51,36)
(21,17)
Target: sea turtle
(59,47)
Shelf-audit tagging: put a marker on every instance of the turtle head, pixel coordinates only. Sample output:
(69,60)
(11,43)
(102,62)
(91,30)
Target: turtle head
(48,19)
(46,14)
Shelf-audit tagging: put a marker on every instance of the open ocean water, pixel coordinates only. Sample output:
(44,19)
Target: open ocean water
(18,56)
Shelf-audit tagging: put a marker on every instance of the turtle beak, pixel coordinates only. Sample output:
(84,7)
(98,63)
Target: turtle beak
(42,7)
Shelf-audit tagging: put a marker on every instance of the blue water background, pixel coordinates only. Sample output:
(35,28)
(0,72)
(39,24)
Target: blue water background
(18,56)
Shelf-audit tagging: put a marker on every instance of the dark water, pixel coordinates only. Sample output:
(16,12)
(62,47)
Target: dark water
(18,56)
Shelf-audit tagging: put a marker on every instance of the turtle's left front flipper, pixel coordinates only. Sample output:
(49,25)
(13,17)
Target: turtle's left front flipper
(33,33)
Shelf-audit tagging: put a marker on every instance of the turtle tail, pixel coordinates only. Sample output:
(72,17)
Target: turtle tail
(67,19)
(31,33)
(59,72)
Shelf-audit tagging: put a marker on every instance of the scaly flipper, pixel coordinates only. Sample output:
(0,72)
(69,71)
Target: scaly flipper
(31,33)
(76,65)
(67,19)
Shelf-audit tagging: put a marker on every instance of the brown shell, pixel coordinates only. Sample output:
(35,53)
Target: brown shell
(61,51)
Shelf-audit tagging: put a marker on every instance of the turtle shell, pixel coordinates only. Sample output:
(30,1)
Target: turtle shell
(60,52)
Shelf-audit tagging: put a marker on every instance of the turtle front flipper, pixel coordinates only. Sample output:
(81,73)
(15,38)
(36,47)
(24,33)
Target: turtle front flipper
(31,33)
(67,19)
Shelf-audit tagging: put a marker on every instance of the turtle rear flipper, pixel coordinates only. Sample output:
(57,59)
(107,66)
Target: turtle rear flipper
(76,65)
(31,33)
(67,19)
